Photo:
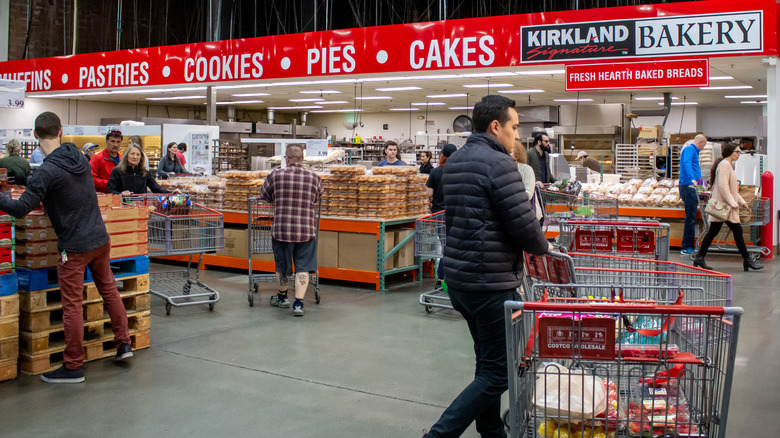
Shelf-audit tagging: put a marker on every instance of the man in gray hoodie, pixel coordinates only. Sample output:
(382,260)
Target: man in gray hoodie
(63,183)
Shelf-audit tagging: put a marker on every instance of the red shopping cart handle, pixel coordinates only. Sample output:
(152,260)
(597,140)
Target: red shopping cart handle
(623,308)
(618,223)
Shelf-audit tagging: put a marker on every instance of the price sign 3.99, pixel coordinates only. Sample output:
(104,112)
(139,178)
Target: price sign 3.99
(12,93)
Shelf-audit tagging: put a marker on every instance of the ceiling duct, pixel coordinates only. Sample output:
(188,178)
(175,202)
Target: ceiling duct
(654,113)
(231,113)
(303,115)
(270,116)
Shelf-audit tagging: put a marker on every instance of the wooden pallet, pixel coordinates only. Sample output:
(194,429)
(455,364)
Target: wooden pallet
(9,326)
(50,299)
(41,363)
(46,278)
(9,305)
(8,369)
(9,348)
(52,340)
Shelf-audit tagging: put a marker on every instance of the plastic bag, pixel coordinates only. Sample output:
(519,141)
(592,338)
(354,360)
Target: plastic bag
(561,392)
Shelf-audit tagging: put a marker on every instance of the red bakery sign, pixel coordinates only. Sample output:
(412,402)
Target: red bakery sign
(638,75)
(676,30)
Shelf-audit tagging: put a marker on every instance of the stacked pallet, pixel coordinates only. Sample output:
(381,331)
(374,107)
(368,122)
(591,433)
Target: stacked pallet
(9,327)
(42,332)
(417,202)
(340,191)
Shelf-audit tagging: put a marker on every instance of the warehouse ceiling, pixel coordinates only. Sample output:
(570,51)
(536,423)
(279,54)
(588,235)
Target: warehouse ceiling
(444,90)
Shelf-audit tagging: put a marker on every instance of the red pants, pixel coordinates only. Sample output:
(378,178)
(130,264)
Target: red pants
(71,279)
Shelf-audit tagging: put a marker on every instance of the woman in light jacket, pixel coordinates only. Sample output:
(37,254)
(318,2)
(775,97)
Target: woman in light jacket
(527,174)
(725,188)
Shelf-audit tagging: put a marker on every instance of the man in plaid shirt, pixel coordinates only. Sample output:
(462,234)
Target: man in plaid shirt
(295,193)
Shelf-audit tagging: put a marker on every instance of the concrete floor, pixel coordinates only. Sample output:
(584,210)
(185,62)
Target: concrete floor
(361,364)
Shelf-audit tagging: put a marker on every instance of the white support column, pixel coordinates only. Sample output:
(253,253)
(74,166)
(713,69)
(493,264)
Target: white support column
(211,106)
(5,24)
(773,133)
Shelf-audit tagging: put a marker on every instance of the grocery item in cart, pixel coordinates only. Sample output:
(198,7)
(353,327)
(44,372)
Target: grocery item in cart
(570,394)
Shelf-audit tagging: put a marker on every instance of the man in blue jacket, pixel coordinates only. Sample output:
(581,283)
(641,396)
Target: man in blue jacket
(690,175)
(64,185)
(490,222)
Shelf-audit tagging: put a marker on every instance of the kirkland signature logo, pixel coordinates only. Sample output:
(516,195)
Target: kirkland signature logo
(666,36)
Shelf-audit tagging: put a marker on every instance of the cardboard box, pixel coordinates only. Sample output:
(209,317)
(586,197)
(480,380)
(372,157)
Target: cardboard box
(37,248)
(125,251)
(107,200)
(37,219)
(124,213)
(405,256)
(127,226)
(38,261)
(236,244)
(651,131)
(358,251)
(118,239)
(35,234)
(328,249)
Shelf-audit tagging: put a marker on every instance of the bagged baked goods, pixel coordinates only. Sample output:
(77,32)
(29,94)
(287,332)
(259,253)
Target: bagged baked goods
(666,183)
(639,199)
(660,191)
(644,190)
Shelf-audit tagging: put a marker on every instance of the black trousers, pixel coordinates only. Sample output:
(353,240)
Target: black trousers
(736,230)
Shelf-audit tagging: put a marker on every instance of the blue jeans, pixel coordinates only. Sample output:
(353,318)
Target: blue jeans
(691,200)
(481,400)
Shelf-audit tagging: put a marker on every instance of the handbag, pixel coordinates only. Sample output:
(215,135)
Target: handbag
(717,209)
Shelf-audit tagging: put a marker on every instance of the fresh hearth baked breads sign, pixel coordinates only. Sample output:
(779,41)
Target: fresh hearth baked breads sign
(699,29)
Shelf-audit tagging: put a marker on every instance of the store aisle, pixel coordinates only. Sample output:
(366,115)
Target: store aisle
(362,364)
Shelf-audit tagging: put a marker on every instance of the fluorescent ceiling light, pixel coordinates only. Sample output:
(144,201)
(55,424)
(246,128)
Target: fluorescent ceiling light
(294,107)
(175,98)
(541,72)
(373,98)
(250,94)
(338,111)
(731,87)
(404,109)
(399,89)
(720,78)
(461,108)
(752,96)
(444,96)
(428,103)
(487,85)
(681,103)
(237,102)
(306,100)
(573,100)
(487,75)
(753,101)
(654,98)
(520,91)
(320,92)
(331,102)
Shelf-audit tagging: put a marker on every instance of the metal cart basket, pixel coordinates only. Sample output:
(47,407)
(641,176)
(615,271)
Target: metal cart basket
(558,205)
(573,368)
(429,240)
(182,230)
(556,269)
(757,214)
(639,239)
(259,223)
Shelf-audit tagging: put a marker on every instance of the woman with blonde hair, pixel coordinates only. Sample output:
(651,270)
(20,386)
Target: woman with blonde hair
(131,175)
(18,168)
(520,155)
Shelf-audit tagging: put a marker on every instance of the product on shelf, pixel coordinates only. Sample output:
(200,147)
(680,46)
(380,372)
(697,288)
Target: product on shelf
(395,170)
(636,192)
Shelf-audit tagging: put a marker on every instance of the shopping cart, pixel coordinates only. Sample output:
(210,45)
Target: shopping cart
(559,270)
(639,239)
(559,205)
(758,214)
(259,223)
(429,240)
(181,230)
(572,367)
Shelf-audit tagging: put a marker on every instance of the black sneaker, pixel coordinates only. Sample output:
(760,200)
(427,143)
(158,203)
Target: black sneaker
(64,375)
(123,352)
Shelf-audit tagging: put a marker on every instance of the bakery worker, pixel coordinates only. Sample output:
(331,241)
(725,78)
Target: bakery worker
(590,163)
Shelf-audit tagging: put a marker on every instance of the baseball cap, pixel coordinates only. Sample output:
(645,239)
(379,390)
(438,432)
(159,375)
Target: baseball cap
(582,154)
(448,149)
(88,146)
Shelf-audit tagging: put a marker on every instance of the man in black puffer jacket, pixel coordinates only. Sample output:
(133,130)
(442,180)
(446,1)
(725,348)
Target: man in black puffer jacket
(490,222)
(63,183)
